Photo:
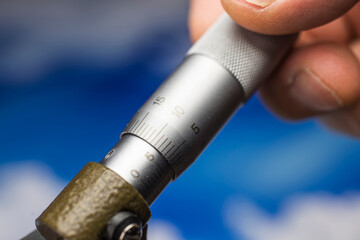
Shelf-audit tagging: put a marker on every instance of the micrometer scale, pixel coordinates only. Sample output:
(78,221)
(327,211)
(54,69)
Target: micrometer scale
(183,115)
(166,135)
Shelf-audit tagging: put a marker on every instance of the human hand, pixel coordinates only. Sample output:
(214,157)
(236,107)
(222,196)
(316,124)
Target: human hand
(321,76)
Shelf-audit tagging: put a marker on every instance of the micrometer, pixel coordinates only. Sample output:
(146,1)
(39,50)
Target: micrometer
(111,199)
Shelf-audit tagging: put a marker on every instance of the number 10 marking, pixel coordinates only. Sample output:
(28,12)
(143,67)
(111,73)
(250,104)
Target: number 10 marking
(178,111)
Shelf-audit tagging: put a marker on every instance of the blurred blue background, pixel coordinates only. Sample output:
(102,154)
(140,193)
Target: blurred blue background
(72,74)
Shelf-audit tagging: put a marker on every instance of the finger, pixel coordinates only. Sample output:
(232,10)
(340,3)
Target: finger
(345,121)
(339,31)
(285,16)
(355,48)
(202,14)
(314,79)
(354,20)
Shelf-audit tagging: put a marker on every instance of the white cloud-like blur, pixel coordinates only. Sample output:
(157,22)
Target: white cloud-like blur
(163,230)
(312,217)
(26,189)
(37,34)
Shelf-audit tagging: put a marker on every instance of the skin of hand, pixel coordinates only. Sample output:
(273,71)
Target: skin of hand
(321,75)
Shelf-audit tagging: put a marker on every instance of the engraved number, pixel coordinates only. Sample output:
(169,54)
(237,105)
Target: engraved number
(135,173)
(159,100)
(178,111)
(149,156)
(195,128)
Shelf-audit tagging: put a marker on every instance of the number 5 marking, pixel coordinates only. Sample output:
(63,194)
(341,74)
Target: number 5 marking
(149,156)
(195,128)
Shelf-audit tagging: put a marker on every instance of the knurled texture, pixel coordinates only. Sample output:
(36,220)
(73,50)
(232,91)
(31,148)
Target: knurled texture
(249,56)
(88,202)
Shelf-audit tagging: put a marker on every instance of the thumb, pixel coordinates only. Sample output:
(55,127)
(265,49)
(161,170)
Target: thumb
(285,16)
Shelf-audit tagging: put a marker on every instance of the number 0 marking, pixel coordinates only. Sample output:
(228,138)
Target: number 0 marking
(135,173)
(149,156)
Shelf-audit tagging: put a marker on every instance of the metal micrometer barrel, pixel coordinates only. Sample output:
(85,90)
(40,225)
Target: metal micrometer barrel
(166,135)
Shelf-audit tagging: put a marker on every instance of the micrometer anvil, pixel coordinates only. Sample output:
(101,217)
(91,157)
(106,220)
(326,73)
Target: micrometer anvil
(166,135)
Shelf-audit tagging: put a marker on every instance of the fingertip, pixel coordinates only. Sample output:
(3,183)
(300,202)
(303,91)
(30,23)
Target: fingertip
(314,80)
(335,66)
(344,121)
(284,17)
(202,14)
(271,94)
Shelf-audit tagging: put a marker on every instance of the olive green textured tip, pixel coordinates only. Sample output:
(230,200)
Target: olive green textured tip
(88,202)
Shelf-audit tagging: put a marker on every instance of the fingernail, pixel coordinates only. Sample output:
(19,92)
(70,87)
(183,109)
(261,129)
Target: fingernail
(308,89)
(260,3)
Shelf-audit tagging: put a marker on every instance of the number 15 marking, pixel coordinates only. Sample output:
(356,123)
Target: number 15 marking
(159,100)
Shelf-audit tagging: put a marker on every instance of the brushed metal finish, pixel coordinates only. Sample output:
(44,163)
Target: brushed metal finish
(141,165)
(249,56)
(187,111)
(175,125)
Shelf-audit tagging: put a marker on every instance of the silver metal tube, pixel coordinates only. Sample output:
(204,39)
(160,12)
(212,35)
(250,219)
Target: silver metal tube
(180,119)
(175,125)
(141,165)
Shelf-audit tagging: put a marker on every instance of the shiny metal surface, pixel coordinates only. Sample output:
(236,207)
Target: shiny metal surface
(140,165)
(185,113)
(250,57)
(180,119)
(175,125)
(124,226)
